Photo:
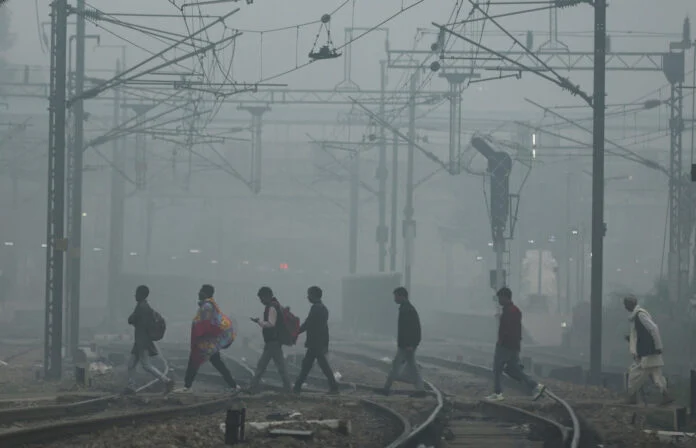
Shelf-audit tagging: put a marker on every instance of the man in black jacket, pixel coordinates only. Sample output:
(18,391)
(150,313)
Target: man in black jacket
(317,327)
(408,339)
(143,346)
(272,348)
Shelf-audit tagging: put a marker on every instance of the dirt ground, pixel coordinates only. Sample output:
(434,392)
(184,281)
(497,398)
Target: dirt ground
(368,429)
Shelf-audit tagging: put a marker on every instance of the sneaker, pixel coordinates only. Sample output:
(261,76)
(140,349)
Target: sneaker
(234,390)
(183,390)
(538,391)
(495,397)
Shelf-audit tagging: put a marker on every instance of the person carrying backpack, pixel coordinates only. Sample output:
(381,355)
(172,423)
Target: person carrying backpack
(273,328)
(143,320)
(211,331)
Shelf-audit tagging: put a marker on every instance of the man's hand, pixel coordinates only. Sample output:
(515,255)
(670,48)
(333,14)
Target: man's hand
(628,338)
(255,319)
(658,351)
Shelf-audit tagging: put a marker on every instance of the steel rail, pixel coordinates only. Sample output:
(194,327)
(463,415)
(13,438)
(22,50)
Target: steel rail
(407,433)
(48,412)
(504,408)
(61,430)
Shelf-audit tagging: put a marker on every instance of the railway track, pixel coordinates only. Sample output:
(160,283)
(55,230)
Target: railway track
(479,422)
(551,431)
(398,409)
(70,427)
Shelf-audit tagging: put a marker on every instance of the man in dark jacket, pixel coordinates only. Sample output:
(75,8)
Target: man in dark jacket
(272,348)
(407,340)
(317,327)
(143,346)
(507,349)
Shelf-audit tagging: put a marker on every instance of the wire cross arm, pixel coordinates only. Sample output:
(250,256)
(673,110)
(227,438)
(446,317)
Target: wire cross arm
(115,82)
(210,2)
(563,83)
(400,134)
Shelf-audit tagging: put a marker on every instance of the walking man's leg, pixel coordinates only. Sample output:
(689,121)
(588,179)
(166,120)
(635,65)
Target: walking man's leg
(154,371)
(219,364)
(132,365)
(514,370)
(637,376)
(661,383)
(326,369)
(307,363)
(279,360)
(191,371)
(396,367)
(498,365)
(261,366)
(411,363)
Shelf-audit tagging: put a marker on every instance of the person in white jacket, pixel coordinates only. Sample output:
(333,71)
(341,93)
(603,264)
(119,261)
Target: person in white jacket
(645,345)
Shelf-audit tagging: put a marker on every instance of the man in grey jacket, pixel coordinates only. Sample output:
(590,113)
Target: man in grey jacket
(143,346)
(645,345)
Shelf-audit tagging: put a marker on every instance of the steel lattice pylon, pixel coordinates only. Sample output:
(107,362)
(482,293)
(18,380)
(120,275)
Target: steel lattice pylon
(55,239)
(674,71)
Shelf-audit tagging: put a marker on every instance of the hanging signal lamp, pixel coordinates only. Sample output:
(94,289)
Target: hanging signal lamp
(327,51)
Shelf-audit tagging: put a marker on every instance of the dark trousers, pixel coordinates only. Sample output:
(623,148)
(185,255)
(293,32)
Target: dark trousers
(308,363)
(508,361)
(218,363)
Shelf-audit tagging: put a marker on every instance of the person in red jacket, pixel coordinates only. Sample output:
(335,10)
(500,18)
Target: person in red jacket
(507,349)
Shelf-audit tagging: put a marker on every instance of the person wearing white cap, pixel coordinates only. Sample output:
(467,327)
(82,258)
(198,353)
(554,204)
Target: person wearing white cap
(645,345)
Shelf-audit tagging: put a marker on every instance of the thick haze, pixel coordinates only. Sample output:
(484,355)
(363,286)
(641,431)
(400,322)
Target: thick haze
(216,229)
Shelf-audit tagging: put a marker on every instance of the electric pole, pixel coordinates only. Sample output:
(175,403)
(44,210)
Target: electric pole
(75,190)
(117,208)
(409,226)
(679,239)
(55,238)
(598,226)
(394,203)
(382,174)
(354,210)
(568,233)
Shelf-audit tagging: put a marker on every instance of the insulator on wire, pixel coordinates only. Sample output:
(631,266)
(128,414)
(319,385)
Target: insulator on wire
(91,13)
(568,3)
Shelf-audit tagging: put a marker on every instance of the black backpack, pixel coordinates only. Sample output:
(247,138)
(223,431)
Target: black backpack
(157,327)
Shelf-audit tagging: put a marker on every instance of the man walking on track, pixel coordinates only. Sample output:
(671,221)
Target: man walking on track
(408,339)
(144,348)
(317,343)
(272,349)
(211,331)
(645,344)
(507,349)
